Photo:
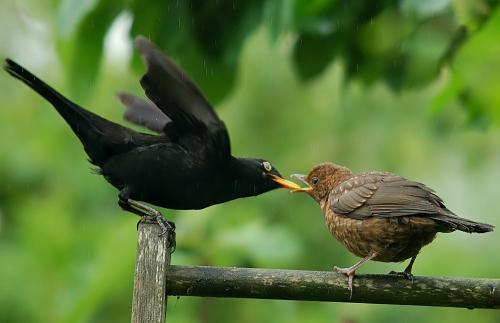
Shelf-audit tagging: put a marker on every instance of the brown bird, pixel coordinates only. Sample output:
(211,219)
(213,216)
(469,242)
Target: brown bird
(380,216)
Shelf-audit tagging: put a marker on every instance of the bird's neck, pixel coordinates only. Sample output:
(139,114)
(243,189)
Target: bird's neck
(341,176)
(238,180)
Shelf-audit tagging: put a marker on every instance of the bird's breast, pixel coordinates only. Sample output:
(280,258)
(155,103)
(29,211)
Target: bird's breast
(166,176)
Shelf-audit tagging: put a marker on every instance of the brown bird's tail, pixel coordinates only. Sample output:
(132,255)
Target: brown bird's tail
(452,222)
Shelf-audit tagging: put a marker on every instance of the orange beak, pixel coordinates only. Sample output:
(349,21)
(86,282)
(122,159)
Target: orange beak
(286,184)
(302,178)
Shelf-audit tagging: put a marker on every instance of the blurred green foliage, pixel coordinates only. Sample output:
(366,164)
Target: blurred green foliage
(405,43)
(390,86)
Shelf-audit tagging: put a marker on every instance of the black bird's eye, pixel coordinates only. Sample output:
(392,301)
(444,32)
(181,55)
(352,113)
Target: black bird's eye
(267,166)
(314,180)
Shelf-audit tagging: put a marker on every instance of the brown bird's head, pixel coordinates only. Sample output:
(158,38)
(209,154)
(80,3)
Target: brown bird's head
(322,179)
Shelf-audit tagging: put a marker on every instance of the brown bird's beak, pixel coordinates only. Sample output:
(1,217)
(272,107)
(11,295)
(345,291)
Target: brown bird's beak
(286,184)
(302,178)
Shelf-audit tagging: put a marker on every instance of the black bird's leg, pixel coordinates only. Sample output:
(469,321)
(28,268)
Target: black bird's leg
(407,272)
(148,214)
(123,203)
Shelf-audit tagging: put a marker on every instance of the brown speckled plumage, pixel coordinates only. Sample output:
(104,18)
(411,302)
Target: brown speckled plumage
(381,216)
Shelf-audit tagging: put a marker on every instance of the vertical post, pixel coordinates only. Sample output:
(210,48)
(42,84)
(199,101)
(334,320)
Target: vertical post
(153,257)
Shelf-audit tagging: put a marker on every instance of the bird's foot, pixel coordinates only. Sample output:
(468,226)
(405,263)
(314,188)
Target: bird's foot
(165,225)
(150,215)
(404,274)
(350,276)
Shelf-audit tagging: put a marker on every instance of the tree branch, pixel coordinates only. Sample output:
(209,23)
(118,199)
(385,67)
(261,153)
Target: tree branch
(332,287)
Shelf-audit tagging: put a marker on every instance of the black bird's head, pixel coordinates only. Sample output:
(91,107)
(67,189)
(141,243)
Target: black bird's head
(256,176)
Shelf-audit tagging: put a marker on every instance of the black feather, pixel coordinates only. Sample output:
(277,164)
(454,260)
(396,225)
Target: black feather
(143,112)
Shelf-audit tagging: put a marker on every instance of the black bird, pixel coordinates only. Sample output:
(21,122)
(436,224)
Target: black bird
(188,165)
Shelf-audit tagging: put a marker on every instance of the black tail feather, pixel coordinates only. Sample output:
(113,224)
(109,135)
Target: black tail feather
(100,137)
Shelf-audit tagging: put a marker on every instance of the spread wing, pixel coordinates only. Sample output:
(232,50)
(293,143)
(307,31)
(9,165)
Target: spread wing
(143,112)
(384,195)
(175,94)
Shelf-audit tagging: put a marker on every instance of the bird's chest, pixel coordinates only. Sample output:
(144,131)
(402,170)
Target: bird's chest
(392,239)
(166,176)
(350,233)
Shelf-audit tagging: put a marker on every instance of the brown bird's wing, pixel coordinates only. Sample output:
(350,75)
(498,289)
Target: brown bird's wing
(377,194)
(143,112)
(384,195)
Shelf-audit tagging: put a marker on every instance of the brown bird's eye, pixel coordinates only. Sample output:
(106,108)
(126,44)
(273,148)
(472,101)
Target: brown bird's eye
(267,166)
(314,180)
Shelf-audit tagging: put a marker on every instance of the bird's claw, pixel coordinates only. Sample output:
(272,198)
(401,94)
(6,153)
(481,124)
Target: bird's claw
(339,270)
(404,274)
(350,277)
(165,226)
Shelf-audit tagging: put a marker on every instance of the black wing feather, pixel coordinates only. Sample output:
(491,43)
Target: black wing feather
(172,90)
(143,112)
(176,95)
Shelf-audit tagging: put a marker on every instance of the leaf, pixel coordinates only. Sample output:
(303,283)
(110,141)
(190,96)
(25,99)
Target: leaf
(477,64)
(312,53)
(334,31)
(307,11)
(450,91)
(70,13)
(424,50)
(205,39)
(425,8)
(221,27)
(279,16)
(163,22)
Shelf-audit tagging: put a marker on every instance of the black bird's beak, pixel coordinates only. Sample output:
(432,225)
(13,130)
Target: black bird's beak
(302,178)
(285,183)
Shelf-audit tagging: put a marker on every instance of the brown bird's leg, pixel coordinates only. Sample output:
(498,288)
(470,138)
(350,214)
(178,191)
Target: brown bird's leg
(349,272)
(410,266)
(407,272)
